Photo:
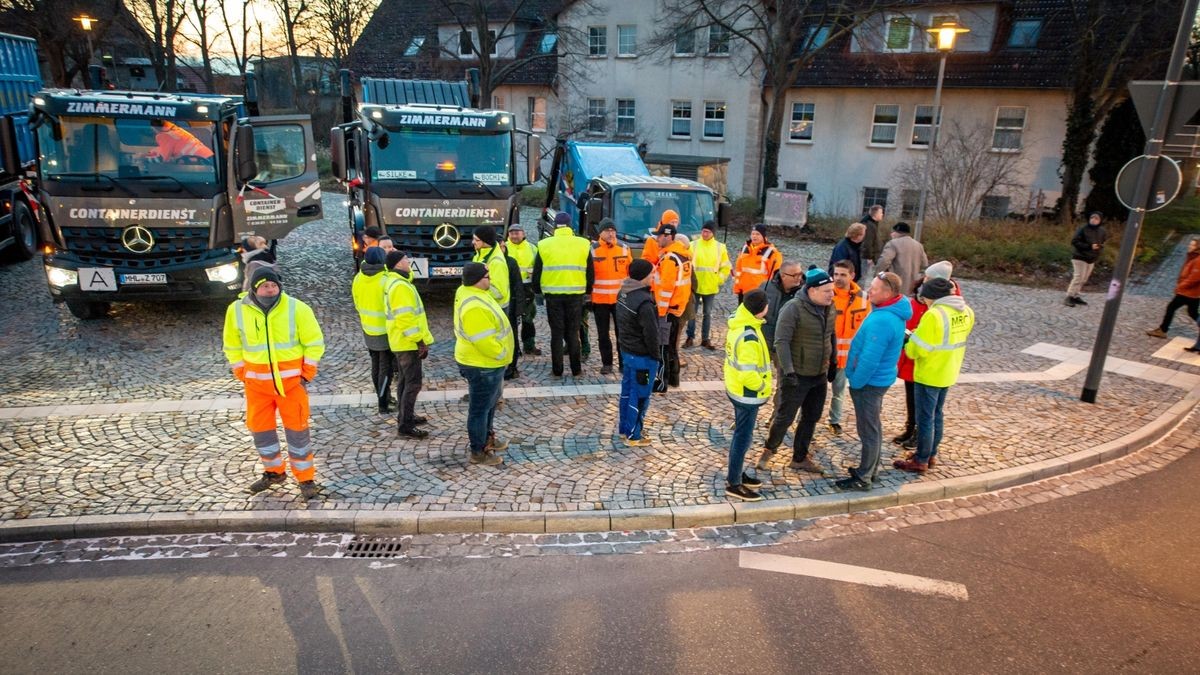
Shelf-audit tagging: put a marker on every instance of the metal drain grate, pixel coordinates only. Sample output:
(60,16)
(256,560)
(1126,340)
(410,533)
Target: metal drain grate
(374,547)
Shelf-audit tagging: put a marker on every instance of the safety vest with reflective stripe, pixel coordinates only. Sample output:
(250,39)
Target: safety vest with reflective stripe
(498,271)
(650,250)
(268,350)
(611,263)
(755,265)
(483,336)
(368,292)
(851,309)
(939,343)
(564,263)
(523,253)
(710,264)
(407,323)
(747,359)
(673,280)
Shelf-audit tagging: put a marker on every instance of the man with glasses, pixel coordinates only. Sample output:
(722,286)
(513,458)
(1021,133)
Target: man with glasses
(780,288)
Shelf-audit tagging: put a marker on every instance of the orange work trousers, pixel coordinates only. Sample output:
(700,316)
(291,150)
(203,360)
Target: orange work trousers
(262,405)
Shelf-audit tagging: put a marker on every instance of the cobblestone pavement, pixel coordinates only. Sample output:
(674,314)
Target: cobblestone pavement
(563,457)
(376,551)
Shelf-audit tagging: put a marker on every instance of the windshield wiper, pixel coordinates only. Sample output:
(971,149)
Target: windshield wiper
(421,180)
(89,174)
(475,182)
(170,178)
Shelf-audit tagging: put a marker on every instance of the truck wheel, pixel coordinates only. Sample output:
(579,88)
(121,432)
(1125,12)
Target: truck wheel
(88,311)
(24,232)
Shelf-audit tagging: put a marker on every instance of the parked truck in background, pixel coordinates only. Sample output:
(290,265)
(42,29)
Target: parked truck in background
(426,165)
(592,181)
(146,196)
(19,79)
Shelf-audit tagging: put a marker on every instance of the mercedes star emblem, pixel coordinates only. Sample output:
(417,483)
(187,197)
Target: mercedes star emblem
(137,239)
(446,235)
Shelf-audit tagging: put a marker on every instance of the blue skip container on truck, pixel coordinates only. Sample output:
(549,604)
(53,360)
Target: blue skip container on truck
(19,79)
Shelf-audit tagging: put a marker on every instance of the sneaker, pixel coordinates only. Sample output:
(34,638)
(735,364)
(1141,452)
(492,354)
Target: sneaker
(309,489)
(1157,332)
(743,493)
(1079,301)
(835,428)
(707,344)
(419,419)
(751,481)
(911,465)
(267,480)
(637,442)
(1069,301)
(486,458)
(496,444)
(910,443)
(908,433)
(852,483)
(807,465)
(412,431)
(764,458)
(606,370)
(689,343)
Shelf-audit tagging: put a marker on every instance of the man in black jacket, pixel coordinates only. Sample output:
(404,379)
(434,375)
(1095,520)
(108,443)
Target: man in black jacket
(870,243)
(780,288)
(637,338)
(1087,244)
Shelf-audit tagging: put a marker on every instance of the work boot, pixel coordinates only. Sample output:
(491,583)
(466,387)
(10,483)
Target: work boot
(384,408)
(1157,332)
(532,350)
(707,344)
(807,465)
(910,443)
(309,489)
(689,343)
(932,459)
(852,483)
(267,480)
(908,433)
(411,431)
(835,428)
(495,444)
(511,374)
(763,459)
(606,370)
(911,465)
(419,419)
(486,458)
(1079,301)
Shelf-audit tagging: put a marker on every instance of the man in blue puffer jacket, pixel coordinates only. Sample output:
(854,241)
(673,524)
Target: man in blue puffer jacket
(871,370)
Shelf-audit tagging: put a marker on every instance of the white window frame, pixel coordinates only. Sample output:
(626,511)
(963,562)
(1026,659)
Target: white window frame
(603,116)
(497,102)
(887,30)
(912,138)
(718,107)
(728,41)
(996,128)
(677,106)
(537,113)
(812,115)
(474,44)
(470,45)
(597,50)
(621,53)
(871,142)
(680,32)
(630,118)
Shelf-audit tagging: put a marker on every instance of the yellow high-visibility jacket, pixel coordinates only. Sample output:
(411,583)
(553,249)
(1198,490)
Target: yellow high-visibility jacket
(483,336)
(748,377)
(407,323)
(272,347)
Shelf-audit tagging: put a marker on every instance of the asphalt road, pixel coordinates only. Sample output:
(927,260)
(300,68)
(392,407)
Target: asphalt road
(1102,581)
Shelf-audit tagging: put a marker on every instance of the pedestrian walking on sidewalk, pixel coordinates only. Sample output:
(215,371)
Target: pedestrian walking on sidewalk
(636,317)
(1187,290)
(1087,243)
(850,309)
(804,347)
(871,370)
(482,348)
(937,348)
(711,267)
(274,344)
(748,386)
(409,339)
(369,291)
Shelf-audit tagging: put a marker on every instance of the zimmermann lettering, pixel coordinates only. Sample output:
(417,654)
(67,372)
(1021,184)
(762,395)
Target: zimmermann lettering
(121,108)
(444,120)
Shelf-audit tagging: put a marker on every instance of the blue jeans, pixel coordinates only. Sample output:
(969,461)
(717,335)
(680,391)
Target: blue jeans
(744,417)
(706,305)
(637,378)
(868,411)
(837,397)
(484,386)
(930,401)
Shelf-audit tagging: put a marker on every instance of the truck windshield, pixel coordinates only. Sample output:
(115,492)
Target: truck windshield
(638,210)
(179,153)
(443,155)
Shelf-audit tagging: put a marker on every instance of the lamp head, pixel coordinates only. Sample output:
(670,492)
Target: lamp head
(946,34)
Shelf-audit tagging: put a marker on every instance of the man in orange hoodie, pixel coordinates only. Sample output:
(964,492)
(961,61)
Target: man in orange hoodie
(757,262)
(850,308)
(1187,290)
(651,249)
(672,290)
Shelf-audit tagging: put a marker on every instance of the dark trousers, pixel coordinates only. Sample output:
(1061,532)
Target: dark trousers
(514,317)
(672,364)
(910,412)
(382,368)
(565,313)
(528,313)
(1192,304)
(605,317)
(409,376)
(809,400)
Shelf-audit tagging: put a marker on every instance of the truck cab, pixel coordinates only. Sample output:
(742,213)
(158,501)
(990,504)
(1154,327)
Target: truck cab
(145,196)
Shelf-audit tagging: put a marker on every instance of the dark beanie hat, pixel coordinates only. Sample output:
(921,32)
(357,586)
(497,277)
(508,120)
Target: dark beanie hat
(936,288)
(902,227)
(815,276)
(265,273)
(755,301)
(562,218)
(473,272)
(374,256)
(372,232)
(709,225)
(607,224)
(1097,214)
(761,229)
(394,257)
(640,269)
(486,234)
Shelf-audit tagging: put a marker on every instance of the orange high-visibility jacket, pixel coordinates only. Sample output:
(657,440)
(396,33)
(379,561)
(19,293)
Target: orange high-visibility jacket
(174,142)
(755,265)
(673,280)
(850,308)
(650,250)
(611,264)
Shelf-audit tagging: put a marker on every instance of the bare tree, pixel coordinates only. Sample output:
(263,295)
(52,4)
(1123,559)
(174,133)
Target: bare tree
(162,19)
(237,32)
(337,25)
(292,13)
(61,39)
(202,36)
(964,171)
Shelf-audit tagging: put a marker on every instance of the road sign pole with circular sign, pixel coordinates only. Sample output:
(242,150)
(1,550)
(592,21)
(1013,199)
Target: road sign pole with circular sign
(1164,187)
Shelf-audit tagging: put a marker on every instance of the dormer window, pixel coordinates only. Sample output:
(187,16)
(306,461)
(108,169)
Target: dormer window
(414,46)
(1025,33)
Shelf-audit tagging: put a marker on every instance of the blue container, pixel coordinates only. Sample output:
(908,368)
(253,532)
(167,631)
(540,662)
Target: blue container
(20,79)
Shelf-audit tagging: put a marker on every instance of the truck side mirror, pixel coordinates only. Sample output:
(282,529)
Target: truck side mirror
(8,146)
(533,153)
(246,166)
(594,210)
(723,214)
(337,152)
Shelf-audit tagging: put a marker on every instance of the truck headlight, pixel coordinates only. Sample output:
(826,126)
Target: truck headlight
(59,277)
(225,274)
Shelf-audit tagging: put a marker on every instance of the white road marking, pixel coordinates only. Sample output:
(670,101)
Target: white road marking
(821,569)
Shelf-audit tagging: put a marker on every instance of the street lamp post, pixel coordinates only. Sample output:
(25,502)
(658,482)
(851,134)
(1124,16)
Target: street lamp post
(86,22)
(946,34)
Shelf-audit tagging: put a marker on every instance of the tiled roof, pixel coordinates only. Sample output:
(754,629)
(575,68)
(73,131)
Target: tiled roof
(380,49)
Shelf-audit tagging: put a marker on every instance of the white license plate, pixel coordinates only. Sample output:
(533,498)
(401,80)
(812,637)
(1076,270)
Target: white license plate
(447,271)
(143,278)
(420,267)
(97,279)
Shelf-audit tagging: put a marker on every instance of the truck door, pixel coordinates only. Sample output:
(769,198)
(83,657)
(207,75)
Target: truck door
(273,184)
